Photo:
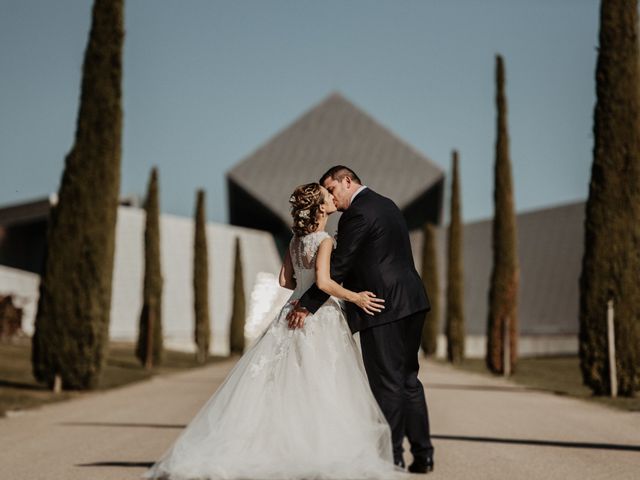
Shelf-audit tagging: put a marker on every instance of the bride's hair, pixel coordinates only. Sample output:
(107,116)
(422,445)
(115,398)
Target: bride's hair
(305,203)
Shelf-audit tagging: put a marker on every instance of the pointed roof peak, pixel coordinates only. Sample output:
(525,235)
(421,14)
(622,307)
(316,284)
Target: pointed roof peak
(336,95)
(334,131)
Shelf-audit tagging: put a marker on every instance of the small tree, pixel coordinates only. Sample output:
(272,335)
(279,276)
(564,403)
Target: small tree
(236,334)
(455,288)
(432,286)
(611,260)
(503,292)
(202,330)
(149,348)
(72,321)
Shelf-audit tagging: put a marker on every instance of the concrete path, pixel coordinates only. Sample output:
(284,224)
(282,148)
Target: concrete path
(483,428)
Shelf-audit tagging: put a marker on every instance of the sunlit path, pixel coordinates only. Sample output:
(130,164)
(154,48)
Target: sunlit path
(482,428)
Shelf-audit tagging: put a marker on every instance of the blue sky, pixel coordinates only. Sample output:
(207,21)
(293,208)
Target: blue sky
(206,82)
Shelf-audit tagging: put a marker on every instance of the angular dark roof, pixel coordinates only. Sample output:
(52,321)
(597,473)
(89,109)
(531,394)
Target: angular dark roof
(334,132)
(550,247)
(25,212)
(38,209)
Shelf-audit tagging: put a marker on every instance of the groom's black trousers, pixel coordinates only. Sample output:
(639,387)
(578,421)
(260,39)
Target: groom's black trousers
(390,354)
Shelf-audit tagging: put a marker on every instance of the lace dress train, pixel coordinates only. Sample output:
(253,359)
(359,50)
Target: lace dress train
(297,405)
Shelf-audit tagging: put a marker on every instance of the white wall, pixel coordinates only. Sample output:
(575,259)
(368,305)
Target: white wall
(264,297)
(260,261)
(261,264)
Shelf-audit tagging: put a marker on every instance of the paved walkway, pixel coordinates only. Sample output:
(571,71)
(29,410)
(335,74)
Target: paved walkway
(483,428)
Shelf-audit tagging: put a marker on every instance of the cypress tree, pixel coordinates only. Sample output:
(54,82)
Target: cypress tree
(431,284)
(503,290)
(72,322)
(236,333)
(611,260)
(202,330)
(455,288)
(149,348)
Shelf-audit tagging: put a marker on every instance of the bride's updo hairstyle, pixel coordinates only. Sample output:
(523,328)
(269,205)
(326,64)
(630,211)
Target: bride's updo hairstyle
(305,204)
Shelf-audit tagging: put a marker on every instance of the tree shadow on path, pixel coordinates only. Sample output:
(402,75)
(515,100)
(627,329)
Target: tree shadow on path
(486,388)
(24,385)
(126,425)
(541,443)
(117,464)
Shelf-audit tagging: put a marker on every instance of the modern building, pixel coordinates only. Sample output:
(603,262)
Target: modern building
(23,232)
(23,242)
(550,240)
(550,248)
(333,132)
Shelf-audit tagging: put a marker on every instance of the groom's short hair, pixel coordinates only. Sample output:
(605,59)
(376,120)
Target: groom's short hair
(338,173)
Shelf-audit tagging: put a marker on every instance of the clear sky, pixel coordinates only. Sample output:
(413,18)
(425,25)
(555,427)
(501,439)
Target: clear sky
(207,82)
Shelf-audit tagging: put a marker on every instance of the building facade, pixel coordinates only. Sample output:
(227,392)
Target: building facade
(334,132)
(24,232)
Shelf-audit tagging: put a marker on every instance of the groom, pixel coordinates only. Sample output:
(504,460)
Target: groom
(374,254)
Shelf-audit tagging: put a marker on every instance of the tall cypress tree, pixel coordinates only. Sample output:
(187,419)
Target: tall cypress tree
(455,288)
(149,348)
(432,286)
(72,322)
(202,330)
(503,290)
(611,260)
(236,331)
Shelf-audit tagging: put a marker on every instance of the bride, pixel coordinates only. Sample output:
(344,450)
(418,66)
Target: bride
(297,405)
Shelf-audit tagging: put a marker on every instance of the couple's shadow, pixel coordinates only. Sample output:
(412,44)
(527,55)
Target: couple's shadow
(122,425)
(464,438)
(459,438)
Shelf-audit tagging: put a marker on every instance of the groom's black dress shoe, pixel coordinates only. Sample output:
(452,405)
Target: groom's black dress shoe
(419,466)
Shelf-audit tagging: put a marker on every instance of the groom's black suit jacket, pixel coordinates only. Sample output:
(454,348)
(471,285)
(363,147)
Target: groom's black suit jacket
(373,253)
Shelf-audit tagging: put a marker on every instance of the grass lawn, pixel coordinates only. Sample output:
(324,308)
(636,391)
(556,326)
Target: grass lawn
(560,375)
(19,390)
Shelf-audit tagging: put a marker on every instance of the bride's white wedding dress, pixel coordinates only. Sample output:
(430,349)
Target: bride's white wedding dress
(297,405)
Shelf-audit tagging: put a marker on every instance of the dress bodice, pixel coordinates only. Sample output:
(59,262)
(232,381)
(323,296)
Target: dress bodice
(304,250)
